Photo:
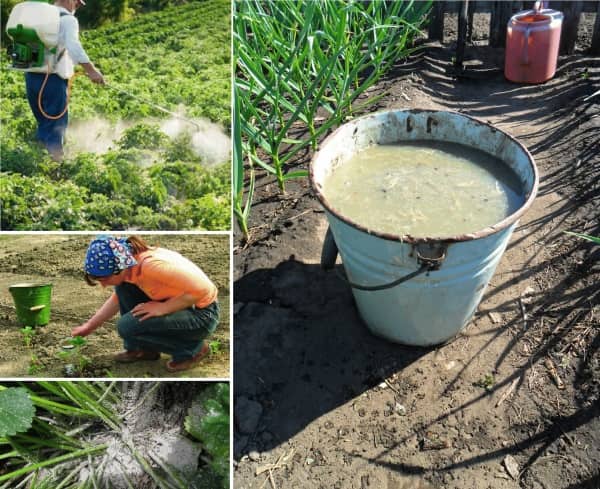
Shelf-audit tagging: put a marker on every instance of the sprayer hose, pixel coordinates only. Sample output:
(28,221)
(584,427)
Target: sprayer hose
(69,84)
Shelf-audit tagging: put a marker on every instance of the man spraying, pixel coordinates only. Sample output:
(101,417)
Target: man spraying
(49,68)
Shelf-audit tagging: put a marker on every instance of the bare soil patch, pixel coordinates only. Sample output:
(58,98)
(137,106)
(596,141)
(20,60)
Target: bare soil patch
(59,259)
(514,401)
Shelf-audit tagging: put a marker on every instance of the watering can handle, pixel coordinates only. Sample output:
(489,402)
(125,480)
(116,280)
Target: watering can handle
(329,255)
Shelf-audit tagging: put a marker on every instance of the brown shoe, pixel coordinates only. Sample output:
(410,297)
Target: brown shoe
(187,364)
(136,355)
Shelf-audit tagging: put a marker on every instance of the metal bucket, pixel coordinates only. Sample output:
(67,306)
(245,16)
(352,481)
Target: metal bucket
(418,291)
(32,302)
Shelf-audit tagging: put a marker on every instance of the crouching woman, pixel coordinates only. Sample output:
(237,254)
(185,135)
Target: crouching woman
(167,304)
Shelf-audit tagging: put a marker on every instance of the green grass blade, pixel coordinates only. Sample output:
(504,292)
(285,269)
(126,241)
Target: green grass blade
(296,174)
(593,239)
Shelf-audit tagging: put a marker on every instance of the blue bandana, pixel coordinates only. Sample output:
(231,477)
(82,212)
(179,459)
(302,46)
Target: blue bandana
(107,255)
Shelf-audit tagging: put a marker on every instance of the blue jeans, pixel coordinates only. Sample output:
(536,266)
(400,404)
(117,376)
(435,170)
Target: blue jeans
(180,334)
(50,132)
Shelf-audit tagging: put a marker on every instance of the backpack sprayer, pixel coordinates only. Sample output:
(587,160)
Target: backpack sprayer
(33,27)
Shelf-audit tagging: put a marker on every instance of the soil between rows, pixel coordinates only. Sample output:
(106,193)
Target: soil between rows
(59,259)
(332,406)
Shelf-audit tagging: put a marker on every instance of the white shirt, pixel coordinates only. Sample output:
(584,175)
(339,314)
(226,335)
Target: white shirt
(68,38)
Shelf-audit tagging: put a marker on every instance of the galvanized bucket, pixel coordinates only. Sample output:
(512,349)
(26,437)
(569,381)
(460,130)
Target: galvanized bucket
(418,291)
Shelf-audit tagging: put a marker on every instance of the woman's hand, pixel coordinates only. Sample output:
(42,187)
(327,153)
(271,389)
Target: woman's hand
(108,310)
(150,309)
(83,330)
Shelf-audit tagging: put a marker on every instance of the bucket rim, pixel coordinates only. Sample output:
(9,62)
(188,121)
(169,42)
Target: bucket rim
(28,285)
(543,21)
(552,13)
(407,238)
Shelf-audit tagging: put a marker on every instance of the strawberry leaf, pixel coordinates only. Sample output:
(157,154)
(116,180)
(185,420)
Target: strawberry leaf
(16,411)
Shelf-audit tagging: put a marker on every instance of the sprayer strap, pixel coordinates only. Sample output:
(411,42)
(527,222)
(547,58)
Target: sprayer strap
(62,53)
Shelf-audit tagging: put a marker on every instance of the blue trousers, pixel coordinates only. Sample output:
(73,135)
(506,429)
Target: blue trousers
(180,334)
(50,132)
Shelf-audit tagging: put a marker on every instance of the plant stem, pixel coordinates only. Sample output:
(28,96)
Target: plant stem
(279,172)
(53,461)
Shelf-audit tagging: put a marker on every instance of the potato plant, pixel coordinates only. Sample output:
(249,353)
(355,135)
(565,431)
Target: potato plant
(178,58)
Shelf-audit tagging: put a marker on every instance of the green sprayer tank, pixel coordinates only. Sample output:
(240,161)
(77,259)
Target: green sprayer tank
(33,28)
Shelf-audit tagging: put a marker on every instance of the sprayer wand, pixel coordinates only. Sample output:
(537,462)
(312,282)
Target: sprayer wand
(152,104)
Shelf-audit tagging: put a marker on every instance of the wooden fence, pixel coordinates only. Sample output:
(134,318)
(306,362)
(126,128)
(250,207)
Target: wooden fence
(500,15)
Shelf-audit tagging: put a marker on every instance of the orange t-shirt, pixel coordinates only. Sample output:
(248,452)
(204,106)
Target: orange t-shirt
(163,274)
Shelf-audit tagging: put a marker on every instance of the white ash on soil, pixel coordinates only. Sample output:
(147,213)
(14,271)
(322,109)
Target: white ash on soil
(153,420)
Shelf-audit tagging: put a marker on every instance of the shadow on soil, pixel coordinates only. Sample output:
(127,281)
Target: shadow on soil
(315,352)
(311,363)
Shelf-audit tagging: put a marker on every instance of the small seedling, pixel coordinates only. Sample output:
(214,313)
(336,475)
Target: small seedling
(215,347)
(78,341)
(35,366)
(486,382)
(78,361)
(28,333)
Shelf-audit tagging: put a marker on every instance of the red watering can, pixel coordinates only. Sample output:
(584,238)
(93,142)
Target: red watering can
(532,42)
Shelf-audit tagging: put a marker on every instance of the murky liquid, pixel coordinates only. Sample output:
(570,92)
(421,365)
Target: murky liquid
(424,188)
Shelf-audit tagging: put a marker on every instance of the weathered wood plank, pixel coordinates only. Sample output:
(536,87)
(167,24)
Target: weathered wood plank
(436,24)
(568,37)
(462,33)
(501,13)
(471,14)
(595,48)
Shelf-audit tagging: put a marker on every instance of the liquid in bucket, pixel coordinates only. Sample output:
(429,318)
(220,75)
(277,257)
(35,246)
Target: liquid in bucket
(424,188)
(32,302)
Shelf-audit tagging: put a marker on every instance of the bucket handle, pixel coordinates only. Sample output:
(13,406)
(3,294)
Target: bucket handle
(37,308)
(329,254)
